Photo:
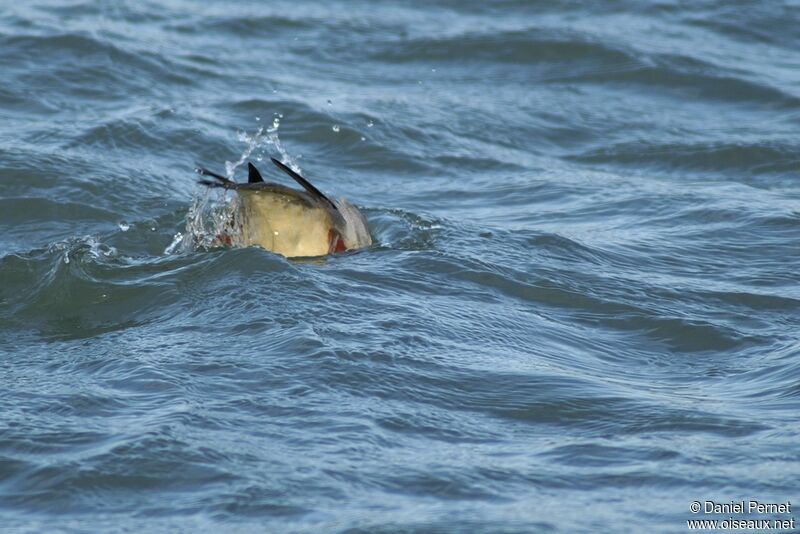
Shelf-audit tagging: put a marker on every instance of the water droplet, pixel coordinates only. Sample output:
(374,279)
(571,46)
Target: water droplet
(124,226)
(177,240)
(433,70)
(370,124)
(363,138)
(276,122)
(329,102)
(336,128)
(258,118)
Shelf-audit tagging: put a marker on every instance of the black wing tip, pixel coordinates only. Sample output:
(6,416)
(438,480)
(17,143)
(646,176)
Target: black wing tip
(284,167)
(222,181)
(310,189)
(253,176)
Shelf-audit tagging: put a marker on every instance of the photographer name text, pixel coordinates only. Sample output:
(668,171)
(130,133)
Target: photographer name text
(742,507)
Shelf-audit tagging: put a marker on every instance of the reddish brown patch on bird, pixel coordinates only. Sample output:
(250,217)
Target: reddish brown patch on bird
(336,242)
(225,240)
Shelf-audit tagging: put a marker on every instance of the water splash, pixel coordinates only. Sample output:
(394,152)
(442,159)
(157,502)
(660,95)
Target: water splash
(253,142)
(211,219)
(84,248)
(209,222)
(259,145)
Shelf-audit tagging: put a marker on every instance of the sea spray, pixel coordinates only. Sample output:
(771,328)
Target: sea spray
(211,221)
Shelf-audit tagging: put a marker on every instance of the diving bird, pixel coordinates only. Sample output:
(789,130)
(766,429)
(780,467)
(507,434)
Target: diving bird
(290,222)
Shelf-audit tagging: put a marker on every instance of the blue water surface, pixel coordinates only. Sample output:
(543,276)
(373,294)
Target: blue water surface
(580,313)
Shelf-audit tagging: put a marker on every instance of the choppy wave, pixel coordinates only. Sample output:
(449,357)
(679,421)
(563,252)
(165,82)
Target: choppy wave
(583,293)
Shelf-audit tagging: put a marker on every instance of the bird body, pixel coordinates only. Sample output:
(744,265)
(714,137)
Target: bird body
(285,224)
(290,222)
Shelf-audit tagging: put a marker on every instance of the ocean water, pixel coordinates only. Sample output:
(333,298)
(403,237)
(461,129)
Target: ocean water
(580,313)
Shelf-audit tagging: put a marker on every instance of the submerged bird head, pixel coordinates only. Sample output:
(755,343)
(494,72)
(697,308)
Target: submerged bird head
(353,226)
(292,222)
